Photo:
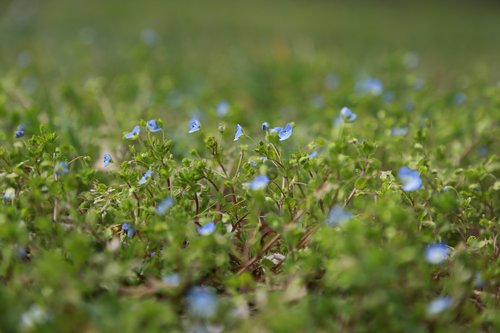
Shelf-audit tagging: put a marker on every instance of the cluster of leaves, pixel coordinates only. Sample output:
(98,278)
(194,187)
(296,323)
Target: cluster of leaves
(327,224)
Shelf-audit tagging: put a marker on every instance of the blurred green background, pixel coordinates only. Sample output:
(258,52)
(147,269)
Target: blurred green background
(212,39)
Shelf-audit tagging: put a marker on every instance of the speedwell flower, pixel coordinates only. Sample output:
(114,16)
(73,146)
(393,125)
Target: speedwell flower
(436,253)
(164,205)
(134,134)
(129,229)
(206,229)
(152,126)
(60,168)
(410,178)
(194,126)
(439,304)
(202,302)
(337,216)
(399,131)
(286,132)
(145,177)
(20,131)
(258,183)
(238,133)
(369,86)
(265,126)
(222,108)
(347,114)
(107,159)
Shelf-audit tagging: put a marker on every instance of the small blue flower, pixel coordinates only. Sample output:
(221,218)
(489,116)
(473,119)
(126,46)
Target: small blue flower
(286,132)
(202,302)
(20,131)
(265,126)
(410,178)
(388,96)
(399,131)
(107,159)
(222,108)
(369,86)
(459,98)
(258,183)
(276,129)
(194,126)
(152,126)
(129,229)
(134,134)
(172,280)
(313,154)
(436,253)
(145,177)
(9,194)
(347,114)
(238,133)
(164,205)
(206,229)
(439,304)
(338,216)
(149,37)
(60,168)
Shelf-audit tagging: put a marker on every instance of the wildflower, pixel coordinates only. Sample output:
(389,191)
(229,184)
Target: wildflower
(107,159)
(286,132)
(34,316)
(337,216)
(459,98)
(436,253)
(439,304)
(152,126)
(194,126)
(207,229)
(347,114)
(60,168)
(134,134)
(388,96)
(149,37)
(369,86)
(164,205)
(313,154)
(258,183)
(238,133)
(145,177)
(20,131)
(478,281)
(222,108)
(276,129)
(9,194)
(399,131)
(410,178)
(129,229)
(265,126)
(202,302)
(172,280)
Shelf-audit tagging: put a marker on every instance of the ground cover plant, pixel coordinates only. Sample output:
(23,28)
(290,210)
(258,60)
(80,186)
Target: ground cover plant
(274,191)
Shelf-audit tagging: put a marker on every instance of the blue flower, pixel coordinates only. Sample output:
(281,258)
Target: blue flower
(149,36)
(258,183)
(107,159)
(129,229)
(238,133)
(152,126)
(369,86)
(9,194)
(276,129)
(399,131)
(202,302)
(134,134)
(286,132)
(222,108)
(164,205)
(313,154)
(436,253)
(347,114)
(145,177)
(20,131)
(172,280)
(265,126)
(194,126)
(388,96)
(459,98)
(410,178)
(439,304)
(207,229)
(60,168)
(338,216)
